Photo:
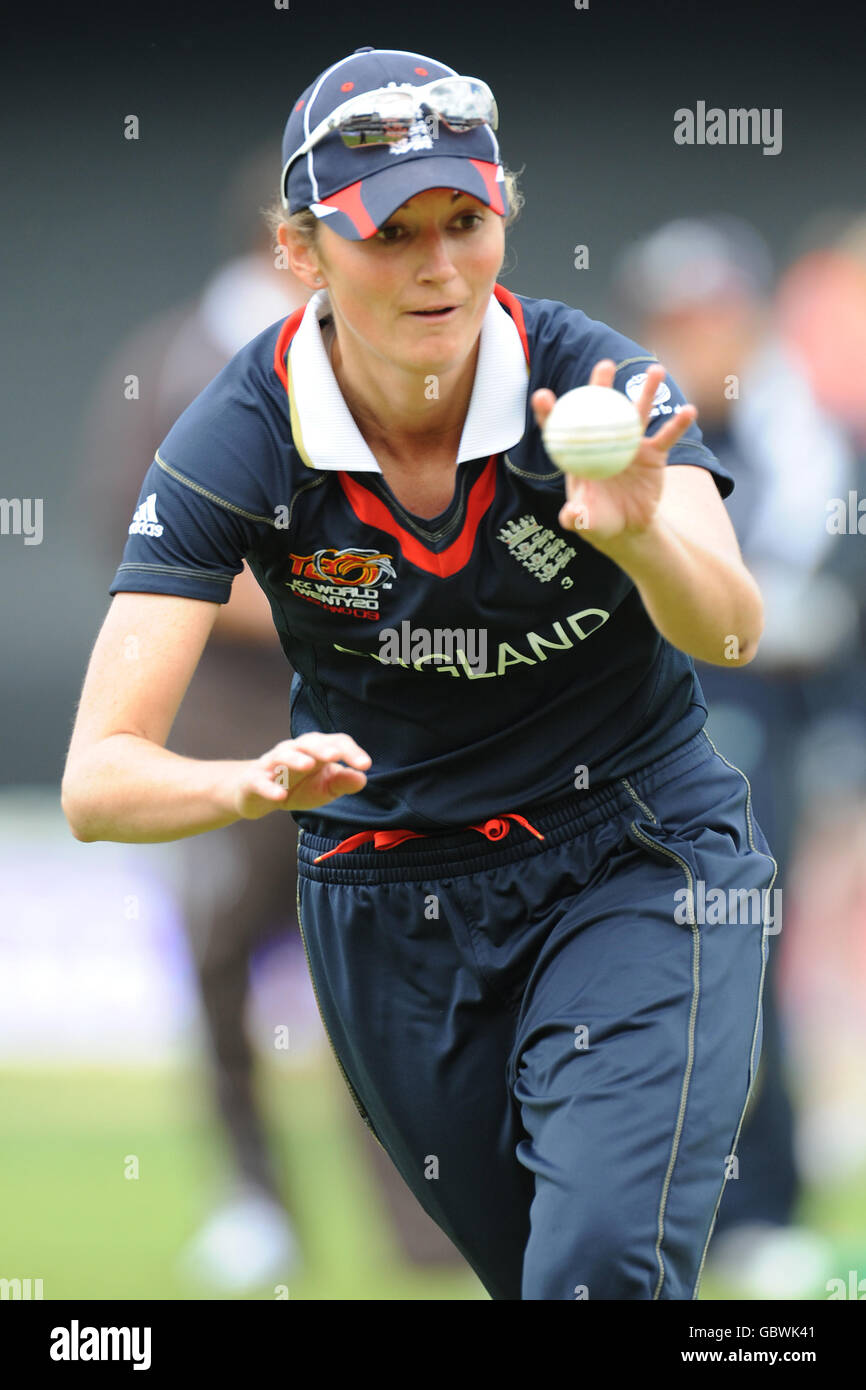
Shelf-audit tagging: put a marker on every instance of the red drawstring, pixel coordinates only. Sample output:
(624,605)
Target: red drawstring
(382,839)
(494,829)
(497,828)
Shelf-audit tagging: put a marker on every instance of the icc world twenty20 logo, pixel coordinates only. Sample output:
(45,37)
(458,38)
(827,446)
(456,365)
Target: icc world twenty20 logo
(358,567)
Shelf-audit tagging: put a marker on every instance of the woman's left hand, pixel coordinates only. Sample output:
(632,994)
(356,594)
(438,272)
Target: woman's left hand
(603,510)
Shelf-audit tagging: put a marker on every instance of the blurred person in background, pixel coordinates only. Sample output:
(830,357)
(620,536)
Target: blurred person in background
(822,315)
(233,897)
(698,292)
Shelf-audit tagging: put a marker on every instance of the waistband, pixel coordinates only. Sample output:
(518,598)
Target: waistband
(465,851)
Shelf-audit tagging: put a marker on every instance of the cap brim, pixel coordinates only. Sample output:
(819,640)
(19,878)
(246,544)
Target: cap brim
(359,210)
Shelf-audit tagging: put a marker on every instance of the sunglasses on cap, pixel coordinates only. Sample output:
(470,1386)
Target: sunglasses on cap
(386,115)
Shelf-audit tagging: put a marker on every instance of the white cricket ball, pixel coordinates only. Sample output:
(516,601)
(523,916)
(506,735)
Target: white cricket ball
(593,432)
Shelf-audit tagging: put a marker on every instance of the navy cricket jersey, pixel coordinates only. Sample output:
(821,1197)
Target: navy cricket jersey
(385,616)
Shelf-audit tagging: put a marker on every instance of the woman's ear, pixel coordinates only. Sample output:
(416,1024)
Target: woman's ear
(298,257)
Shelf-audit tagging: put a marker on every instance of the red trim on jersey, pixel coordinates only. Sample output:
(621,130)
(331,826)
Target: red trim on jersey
(509,302)
(373,512)
(513,306)
(284,338)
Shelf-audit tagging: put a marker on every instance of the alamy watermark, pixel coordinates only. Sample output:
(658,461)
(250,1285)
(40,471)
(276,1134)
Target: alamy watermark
(22,516)
(21,1289)
(846,517)
(854,1287)
(438,646)
(738,125)
(711,906)
(77,1343)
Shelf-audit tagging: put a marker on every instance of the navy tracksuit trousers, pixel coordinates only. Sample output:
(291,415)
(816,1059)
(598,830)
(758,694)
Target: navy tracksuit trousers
(555,1039)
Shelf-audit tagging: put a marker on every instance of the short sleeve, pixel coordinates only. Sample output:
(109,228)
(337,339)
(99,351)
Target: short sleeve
(180,540)
(668,399)
(576,343)
(208,499)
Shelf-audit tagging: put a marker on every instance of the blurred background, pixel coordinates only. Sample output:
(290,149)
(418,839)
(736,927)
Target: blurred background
(173,1123)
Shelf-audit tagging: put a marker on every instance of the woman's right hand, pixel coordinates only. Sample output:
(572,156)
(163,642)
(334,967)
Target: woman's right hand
(299,774)
(121,783)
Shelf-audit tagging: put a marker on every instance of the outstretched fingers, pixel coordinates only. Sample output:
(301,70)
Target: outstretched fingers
(603,373)
(674,428)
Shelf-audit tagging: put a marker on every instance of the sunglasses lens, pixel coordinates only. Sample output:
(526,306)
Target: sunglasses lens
(378,120)
(386,116)
(463,103)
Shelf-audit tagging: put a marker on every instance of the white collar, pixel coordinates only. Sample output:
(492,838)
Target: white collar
(325,433)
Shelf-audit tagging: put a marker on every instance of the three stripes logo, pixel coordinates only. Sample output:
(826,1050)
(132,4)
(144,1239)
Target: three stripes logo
(146,522)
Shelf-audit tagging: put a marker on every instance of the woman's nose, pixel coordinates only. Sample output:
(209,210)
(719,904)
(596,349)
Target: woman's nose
(436,258)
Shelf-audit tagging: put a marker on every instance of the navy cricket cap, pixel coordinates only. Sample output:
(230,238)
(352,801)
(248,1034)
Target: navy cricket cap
(356,190)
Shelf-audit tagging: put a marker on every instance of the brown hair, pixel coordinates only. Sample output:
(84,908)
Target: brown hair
(306,223)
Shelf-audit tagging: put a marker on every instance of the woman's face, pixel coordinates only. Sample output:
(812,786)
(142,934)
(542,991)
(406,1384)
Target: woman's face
(440,248)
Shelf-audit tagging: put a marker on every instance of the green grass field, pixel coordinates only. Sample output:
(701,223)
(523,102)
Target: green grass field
(70,1217)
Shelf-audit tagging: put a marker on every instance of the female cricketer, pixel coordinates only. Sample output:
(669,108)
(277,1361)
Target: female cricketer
(532,892)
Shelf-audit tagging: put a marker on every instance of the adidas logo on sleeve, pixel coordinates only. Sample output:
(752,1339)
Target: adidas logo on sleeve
(146,522)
